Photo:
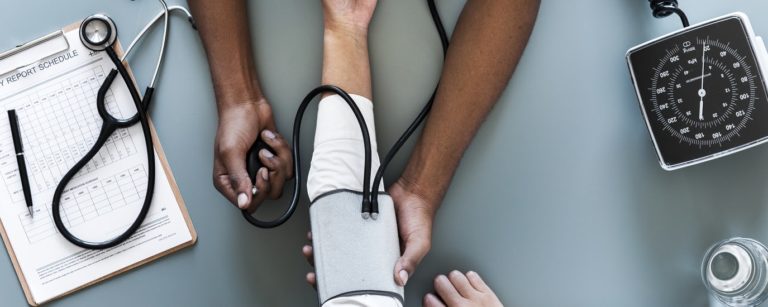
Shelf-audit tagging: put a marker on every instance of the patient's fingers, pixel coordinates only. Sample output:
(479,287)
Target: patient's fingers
(308,254)
(430,300)
(308,251)
(461,283)
(447,291)
(312,279)
(477,282)
(466,290)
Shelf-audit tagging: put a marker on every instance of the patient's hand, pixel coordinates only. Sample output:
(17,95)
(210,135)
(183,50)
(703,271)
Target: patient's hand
(309,255)
(348,15)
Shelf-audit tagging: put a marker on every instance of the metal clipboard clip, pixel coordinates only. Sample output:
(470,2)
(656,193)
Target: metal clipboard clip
(32,52)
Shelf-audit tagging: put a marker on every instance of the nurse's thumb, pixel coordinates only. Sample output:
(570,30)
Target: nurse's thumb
(416,248)
(239,179)
(244,190)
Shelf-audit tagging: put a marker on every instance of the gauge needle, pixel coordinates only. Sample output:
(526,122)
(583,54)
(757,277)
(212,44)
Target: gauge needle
(702,92)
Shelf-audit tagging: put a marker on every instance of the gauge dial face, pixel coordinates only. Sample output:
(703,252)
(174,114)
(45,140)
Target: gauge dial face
(701,92)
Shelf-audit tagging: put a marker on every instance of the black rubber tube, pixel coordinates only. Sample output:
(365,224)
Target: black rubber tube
(110,124)
(297,159)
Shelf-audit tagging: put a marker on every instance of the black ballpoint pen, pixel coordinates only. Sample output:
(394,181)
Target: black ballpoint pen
(19,147)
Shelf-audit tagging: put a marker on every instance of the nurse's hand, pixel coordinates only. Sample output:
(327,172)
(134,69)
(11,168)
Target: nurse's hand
(239,126)
(415,214)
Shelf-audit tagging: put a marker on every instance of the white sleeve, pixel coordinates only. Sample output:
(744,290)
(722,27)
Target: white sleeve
(338,158)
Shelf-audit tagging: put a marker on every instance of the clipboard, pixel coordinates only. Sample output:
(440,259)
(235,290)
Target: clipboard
(21,57)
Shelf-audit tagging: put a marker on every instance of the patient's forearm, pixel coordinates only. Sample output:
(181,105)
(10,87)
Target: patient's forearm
(485,48)
(345,61)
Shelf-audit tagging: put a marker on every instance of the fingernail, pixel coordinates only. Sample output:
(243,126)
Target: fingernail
(265,174)
(254,190)
(242,200)
(267,154)
(269,134)
(403,276)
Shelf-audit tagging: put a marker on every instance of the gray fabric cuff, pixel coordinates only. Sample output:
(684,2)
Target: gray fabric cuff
(353,255)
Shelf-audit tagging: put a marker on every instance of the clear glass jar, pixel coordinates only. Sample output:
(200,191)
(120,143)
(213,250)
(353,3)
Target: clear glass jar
(735,272)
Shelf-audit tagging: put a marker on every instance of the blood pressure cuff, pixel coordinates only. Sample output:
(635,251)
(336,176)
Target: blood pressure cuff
(354,256)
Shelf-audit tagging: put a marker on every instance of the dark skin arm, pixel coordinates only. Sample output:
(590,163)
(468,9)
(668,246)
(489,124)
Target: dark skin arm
(244,113)
(487,44)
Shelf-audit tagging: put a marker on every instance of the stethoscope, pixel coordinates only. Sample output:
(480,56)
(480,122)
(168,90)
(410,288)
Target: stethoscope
(99,33)
(370,192)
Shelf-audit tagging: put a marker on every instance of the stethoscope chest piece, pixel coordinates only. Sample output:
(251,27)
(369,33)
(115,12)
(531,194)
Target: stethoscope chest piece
(98,32)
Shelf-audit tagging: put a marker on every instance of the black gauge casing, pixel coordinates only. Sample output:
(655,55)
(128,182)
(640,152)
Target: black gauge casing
(701,91)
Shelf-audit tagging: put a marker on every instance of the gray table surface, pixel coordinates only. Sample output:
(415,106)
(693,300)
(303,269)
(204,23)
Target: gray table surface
(559,201)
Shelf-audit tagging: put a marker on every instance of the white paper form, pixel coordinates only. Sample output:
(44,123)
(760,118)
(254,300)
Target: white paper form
(55,100)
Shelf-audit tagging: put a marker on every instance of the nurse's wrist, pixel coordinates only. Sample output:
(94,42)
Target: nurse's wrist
(426,176)
(239,86)
(415,184)
(233,100)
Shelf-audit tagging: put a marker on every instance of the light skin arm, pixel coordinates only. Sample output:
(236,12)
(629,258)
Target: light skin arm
(345,45)
(244,113)
(487,44)
(345,58)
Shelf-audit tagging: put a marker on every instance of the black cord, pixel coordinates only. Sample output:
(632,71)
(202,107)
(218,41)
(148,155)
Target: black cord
(416,122)
(297,159)
(664,8)
(107,128)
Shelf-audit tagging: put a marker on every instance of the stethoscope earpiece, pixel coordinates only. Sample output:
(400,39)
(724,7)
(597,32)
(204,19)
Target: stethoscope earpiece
(98,32)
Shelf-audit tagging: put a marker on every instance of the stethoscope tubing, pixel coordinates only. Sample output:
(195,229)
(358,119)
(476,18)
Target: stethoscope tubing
(148,26)
(109,125)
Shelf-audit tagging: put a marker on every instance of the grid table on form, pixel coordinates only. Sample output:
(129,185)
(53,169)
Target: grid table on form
(55,138)
(90,201)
